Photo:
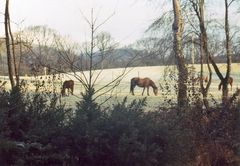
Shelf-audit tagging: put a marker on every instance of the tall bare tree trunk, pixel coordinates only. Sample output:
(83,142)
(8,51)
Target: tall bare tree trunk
(204,53)
(16,71)
(182,78)
(229,54)
(223,80)
(9,55)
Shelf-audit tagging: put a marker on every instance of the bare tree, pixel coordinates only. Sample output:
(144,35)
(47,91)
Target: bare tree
(224,80)
(105,45)
(86,67)
(177,28)
(8,43)
(21,50)
(198,7)
(162,35)
(152,51)
(228,51)
(40,42)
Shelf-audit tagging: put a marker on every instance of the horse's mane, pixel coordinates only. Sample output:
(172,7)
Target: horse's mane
(153,84)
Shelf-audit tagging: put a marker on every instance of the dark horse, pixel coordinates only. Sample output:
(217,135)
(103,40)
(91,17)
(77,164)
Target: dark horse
(144,83)
(230,81)
(69,84)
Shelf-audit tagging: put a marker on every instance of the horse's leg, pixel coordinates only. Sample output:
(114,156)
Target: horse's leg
(64,91)
(68,91)
(148,90)
(143,91)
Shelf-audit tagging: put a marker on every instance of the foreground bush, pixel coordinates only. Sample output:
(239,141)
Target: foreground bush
(28,126)
(217,136)
(35,130)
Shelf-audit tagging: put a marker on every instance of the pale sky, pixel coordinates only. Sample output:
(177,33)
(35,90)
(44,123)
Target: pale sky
(131,18)
(128,24)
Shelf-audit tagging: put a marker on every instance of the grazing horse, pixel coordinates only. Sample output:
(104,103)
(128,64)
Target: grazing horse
(230,82)
(199,78)
(69,84)
(144,83)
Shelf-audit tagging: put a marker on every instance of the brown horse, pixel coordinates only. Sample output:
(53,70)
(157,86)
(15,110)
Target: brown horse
(199,78)
(69,84)
(144,83)
(230,82)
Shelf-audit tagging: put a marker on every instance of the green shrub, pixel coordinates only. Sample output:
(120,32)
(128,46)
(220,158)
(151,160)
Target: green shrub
(29,119)
(122,135)
(36,130)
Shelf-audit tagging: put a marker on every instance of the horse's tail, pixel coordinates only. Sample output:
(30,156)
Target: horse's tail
(131,86)
(72,88)
(63,91)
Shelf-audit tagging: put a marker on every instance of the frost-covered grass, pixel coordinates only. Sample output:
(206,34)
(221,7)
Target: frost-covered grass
(156,73)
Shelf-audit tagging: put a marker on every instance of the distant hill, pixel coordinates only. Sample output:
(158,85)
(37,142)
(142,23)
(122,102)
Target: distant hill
(115,58)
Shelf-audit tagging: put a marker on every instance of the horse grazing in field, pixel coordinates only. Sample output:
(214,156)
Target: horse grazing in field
(230,82)
(144,83)
(69,84)
(199,78)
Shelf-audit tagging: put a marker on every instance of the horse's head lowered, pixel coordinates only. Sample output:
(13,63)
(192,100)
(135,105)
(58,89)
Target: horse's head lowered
(155,91)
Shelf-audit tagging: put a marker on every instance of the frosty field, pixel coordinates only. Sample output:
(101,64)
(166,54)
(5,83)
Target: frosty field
(156,73)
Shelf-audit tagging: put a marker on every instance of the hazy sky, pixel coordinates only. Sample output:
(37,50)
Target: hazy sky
(128,23)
